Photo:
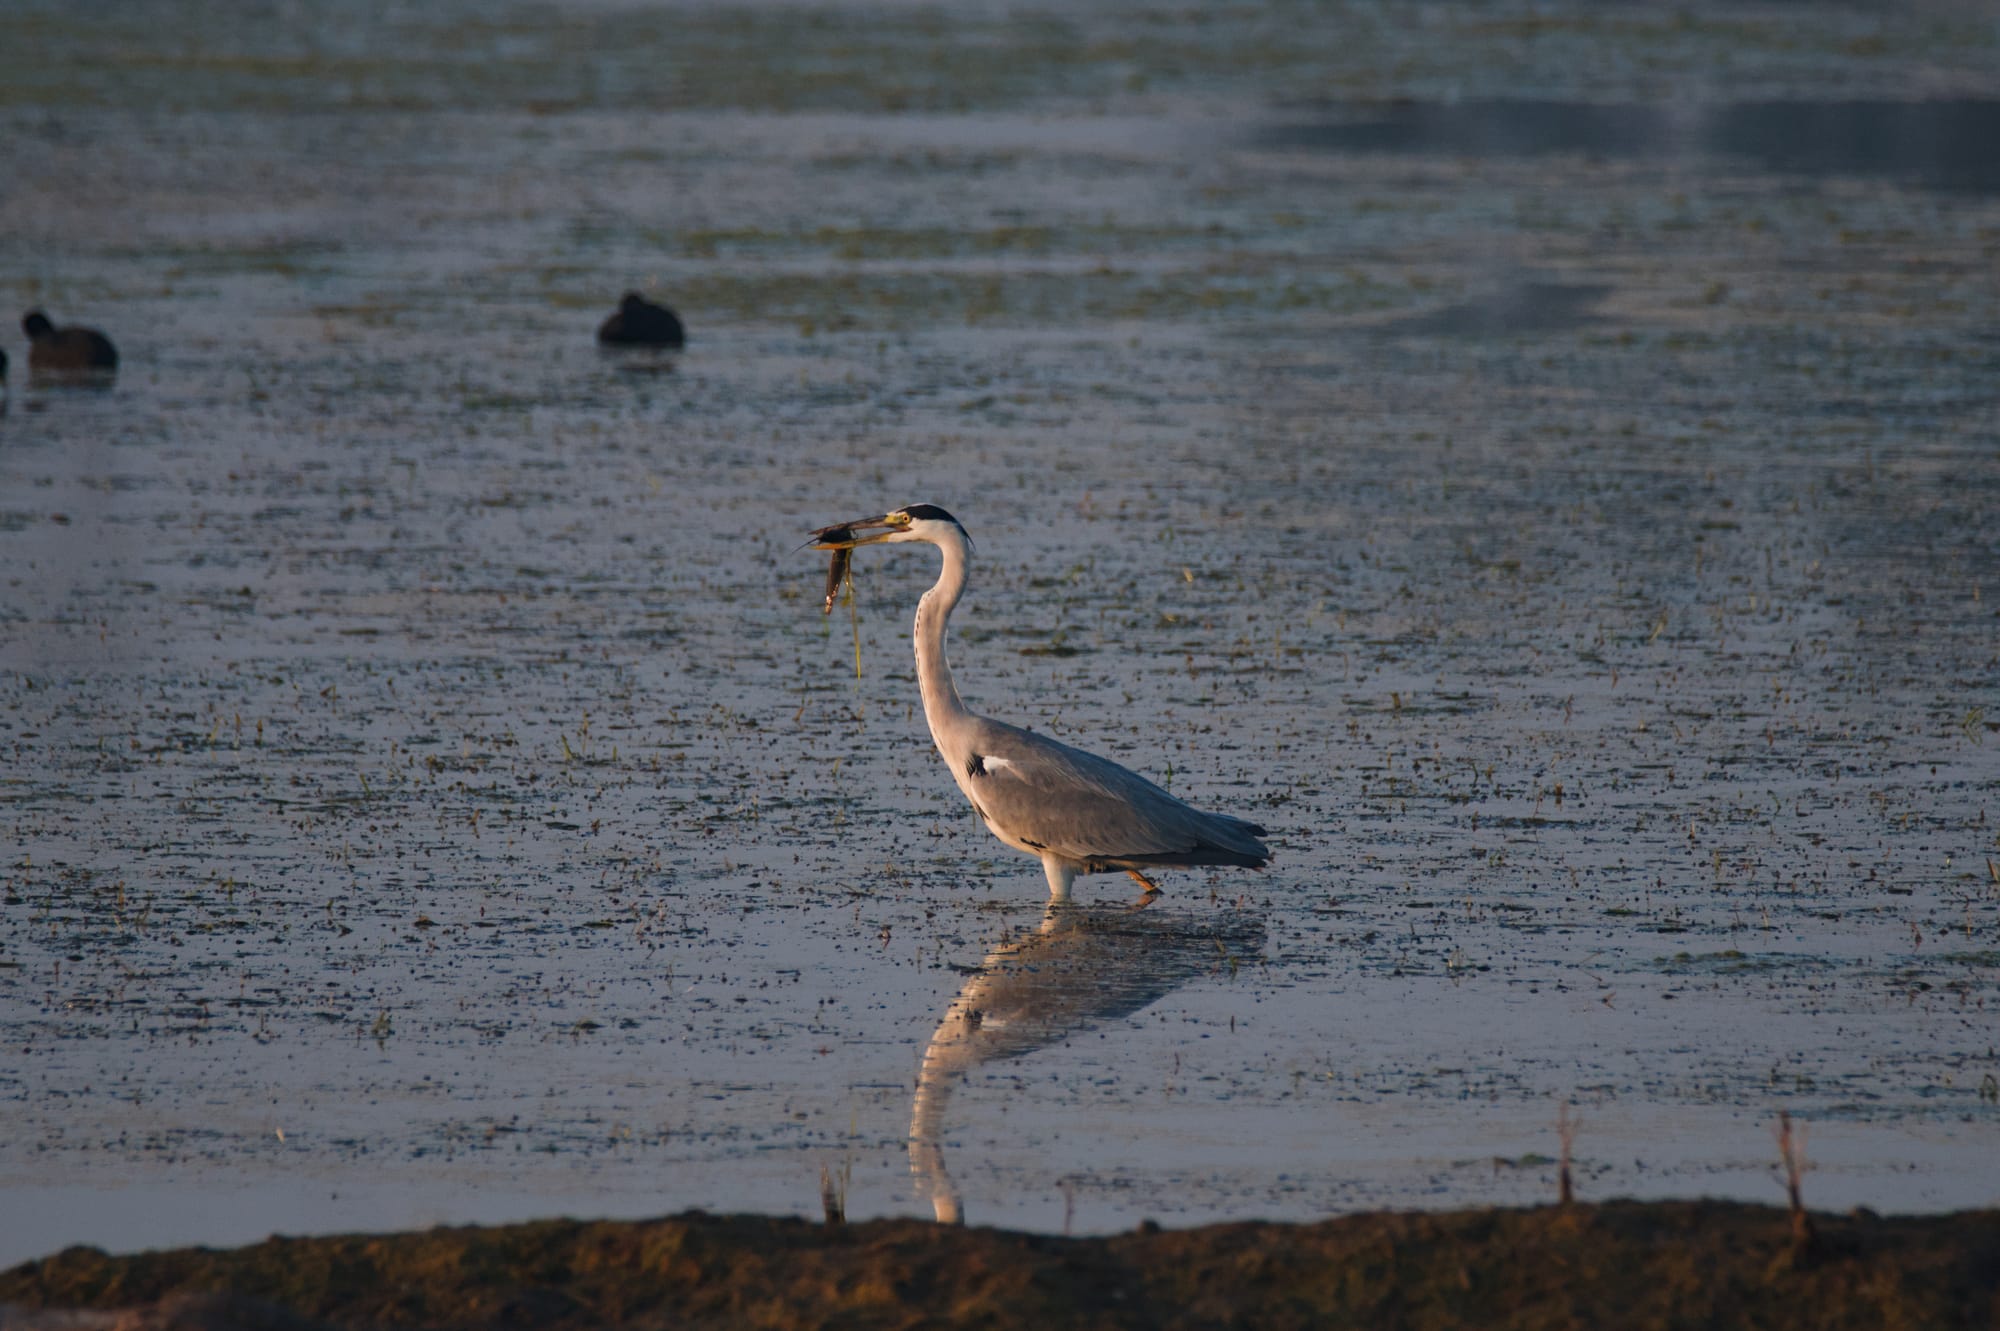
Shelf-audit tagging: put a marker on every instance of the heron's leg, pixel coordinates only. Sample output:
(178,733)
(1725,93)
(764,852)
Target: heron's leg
(1060,877)
(1152,888)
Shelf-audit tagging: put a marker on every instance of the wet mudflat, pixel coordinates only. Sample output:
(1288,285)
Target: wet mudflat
(432,793)
(1628,1264)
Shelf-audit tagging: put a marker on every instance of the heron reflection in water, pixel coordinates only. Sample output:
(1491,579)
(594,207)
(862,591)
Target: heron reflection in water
(1082,967)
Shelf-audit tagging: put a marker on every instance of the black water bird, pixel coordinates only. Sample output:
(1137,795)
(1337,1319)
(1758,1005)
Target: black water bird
(72,350)
(640,323)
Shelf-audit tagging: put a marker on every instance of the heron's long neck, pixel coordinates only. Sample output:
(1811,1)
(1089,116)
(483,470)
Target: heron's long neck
(941,701)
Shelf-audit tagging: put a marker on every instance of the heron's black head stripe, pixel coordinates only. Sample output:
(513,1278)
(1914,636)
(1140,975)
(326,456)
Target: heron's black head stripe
(933,512)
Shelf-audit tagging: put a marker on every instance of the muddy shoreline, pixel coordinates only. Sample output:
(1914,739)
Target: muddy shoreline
(1621,1264)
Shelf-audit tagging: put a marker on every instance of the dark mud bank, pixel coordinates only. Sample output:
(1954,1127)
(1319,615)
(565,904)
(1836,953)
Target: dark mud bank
(1622,1264)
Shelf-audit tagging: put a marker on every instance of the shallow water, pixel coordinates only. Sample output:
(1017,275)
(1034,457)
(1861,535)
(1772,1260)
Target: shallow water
(433,793)
(1940,143)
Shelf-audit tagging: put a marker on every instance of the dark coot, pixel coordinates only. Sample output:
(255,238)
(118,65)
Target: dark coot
(54,350)
(640,323)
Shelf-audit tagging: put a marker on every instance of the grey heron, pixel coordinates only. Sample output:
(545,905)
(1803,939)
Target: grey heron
(1076,812)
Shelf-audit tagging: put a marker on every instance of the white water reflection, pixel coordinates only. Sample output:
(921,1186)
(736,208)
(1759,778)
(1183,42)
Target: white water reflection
(1083,967)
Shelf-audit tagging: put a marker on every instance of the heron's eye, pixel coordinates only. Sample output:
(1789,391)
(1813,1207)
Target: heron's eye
(900,519)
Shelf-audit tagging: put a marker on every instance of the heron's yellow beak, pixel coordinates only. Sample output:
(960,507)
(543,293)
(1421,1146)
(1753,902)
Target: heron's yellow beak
(848,535)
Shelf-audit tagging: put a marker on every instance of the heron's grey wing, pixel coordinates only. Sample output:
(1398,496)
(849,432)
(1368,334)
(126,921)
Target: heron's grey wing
(1084,808)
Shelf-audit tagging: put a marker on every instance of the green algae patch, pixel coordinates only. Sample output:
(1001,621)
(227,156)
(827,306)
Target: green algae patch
(1627,1264)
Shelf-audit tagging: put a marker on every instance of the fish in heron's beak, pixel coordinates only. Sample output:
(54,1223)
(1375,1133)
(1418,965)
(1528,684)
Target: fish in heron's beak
(845,535)
(839,569)
(841,539)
